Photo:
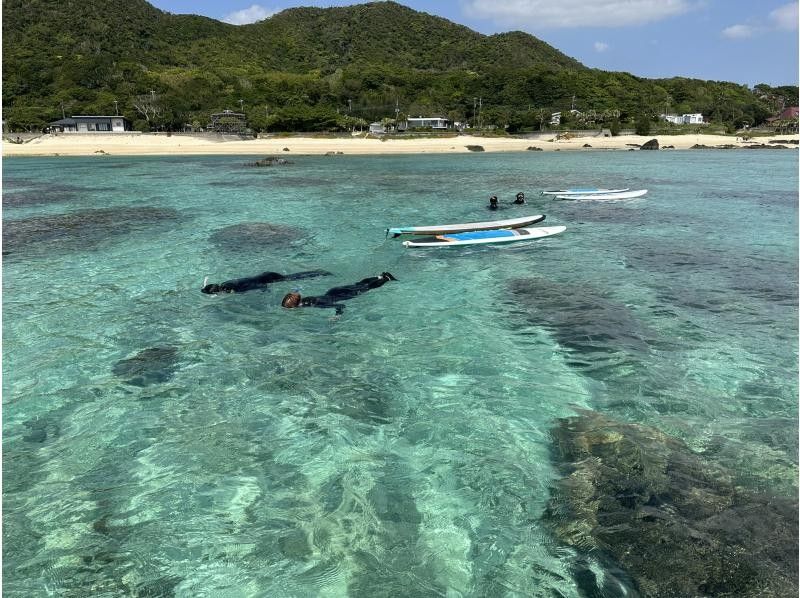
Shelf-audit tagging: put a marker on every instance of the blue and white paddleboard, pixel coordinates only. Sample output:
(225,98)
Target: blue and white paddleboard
(586,191)
(486,236)
(624,195)
(443,229)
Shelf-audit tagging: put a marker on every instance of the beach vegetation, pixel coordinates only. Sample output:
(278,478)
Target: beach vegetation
(642,124)
(314,69)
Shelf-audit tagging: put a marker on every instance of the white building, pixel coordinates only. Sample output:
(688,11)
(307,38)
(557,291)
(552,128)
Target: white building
(92,124)
(684,119)
(555,118)
(434,122)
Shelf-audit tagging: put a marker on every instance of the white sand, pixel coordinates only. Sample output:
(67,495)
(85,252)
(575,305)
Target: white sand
(124,144)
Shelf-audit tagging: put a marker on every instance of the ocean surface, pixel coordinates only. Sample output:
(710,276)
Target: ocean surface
(158,441)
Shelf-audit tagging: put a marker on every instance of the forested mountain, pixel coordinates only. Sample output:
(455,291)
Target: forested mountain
(314,69)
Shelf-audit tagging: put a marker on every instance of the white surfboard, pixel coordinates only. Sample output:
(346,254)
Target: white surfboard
(586,191)
(486,236)
(624,195)
(443,229)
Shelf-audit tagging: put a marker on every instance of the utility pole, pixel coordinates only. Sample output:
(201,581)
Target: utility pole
(116,108)
(474,114)
(396,113)
(241,106)
(349,105)
(480,104)
(63,115)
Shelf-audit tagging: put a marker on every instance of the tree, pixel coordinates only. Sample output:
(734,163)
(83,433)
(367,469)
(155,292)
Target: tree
(147,105)
(642,124)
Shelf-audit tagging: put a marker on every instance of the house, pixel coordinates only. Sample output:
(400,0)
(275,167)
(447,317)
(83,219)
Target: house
(434,122)
(786,121)
(377,129)
(91,124)
(684,119)
(555,118)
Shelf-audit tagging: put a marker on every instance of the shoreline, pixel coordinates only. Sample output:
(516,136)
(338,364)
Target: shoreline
(143,144)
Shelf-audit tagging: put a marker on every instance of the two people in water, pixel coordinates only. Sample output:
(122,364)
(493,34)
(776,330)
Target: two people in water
(331,298)
(518,200)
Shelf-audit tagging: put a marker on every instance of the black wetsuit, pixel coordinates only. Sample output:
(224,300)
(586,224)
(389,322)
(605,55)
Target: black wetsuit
(240,285)
(520,199)
(332,297)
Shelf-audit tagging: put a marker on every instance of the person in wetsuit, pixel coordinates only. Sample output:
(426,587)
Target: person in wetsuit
(333,296)
(520,198)
(493,205)
(240,285)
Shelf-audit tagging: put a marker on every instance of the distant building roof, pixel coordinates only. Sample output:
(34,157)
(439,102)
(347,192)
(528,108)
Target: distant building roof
(791,112)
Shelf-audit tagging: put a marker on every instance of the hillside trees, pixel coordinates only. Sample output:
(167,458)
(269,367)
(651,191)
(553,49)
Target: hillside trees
(323,62)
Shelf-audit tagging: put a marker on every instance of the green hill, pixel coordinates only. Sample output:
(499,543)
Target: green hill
(312,68)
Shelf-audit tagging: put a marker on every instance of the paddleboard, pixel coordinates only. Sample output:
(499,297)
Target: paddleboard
(624,195)
(587,191)
(486,236)
(443,229)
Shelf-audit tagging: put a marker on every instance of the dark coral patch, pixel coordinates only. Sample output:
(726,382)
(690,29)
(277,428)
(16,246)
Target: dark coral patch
(249,236)
(77,231)
(151,366)
(673,520)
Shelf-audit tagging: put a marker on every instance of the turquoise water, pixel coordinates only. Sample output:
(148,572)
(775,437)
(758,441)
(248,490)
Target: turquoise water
(403,448)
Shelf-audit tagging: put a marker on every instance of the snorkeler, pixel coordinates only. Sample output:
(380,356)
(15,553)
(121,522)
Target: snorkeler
(332,297)
(240,285)
(520,199)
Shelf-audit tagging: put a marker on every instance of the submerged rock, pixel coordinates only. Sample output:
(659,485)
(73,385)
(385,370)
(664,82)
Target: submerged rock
(675,522)
(269,161)
(765,146)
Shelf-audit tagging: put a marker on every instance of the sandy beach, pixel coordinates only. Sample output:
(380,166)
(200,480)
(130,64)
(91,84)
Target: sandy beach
(137,144)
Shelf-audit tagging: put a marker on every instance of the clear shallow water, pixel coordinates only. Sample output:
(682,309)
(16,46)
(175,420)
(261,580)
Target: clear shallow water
(402,449)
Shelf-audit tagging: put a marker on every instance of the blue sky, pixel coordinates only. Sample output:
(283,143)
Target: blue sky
(745,41)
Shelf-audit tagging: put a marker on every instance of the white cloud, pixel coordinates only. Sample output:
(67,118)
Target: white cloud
(575,13)
(248,15)
(785,17)
(738,32)
(600,46)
